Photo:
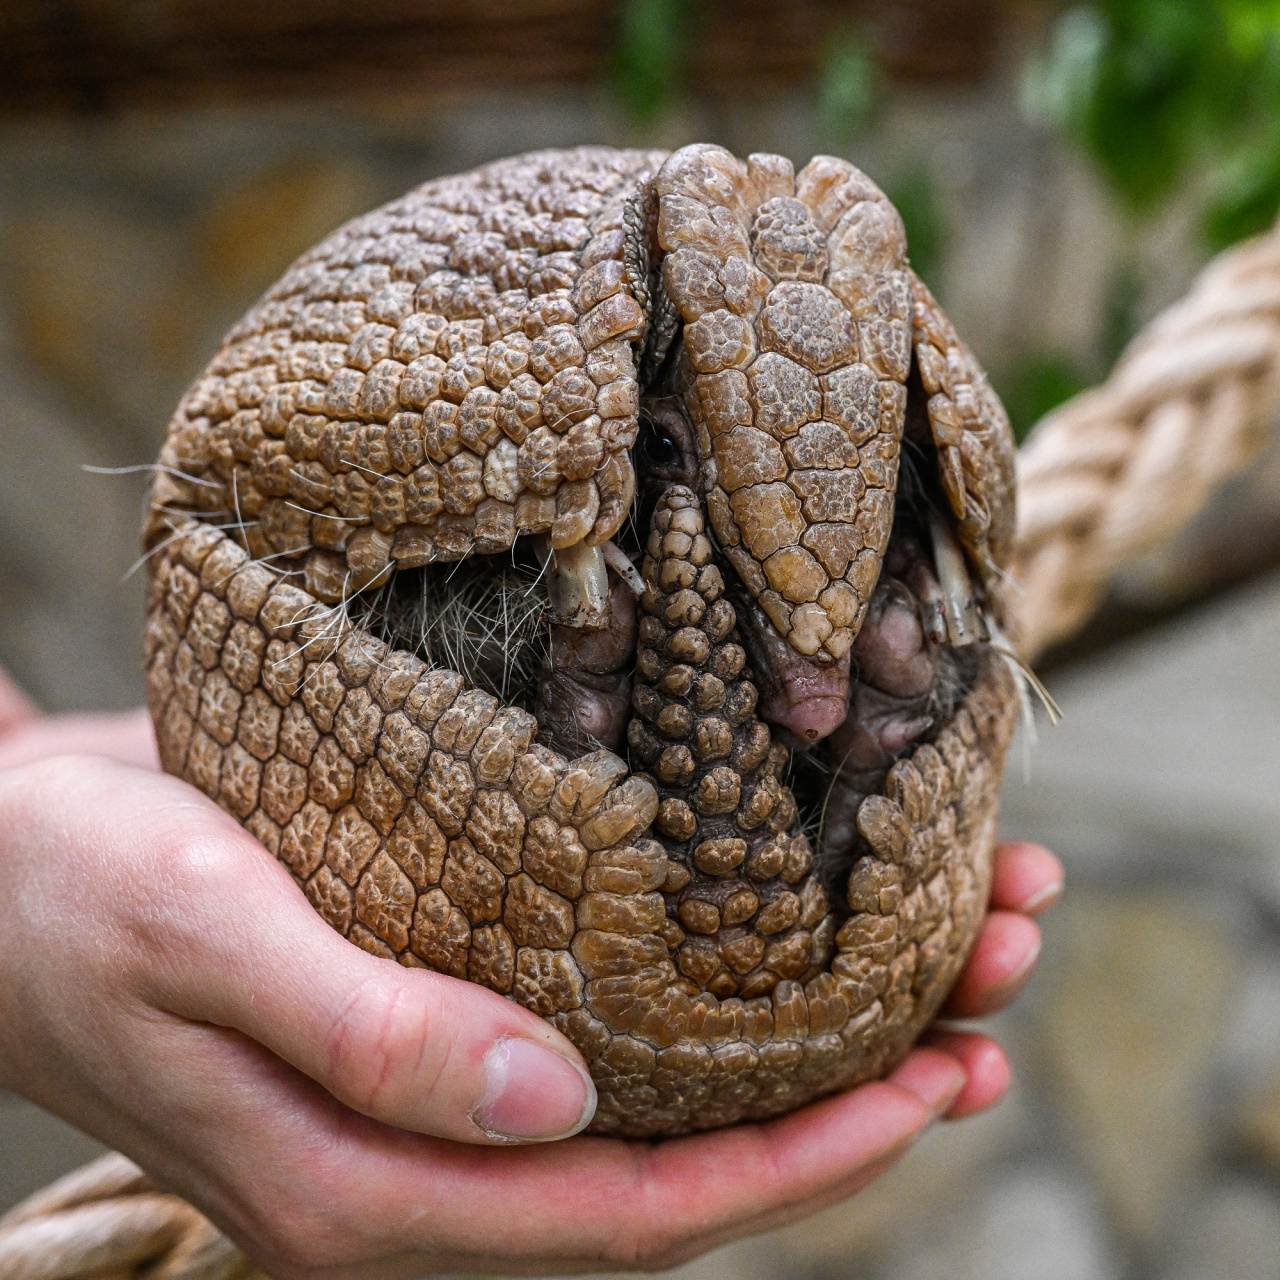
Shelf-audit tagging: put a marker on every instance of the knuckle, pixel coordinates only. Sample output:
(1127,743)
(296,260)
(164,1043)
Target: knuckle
(180,864)
(178,892)
(378,1046)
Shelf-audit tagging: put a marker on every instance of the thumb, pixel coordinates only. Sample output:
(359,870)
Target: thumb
(410,1047)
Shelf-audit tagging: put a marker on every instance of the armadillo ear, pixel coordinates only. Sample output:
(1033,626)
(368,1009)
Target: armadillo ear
(796,331)
(973,438)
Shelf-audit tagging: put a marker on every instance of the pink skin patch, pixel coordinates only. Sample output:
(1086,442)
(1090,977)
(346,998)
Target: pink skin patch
(809,700)
(812,701)
(890,649)
(584,697)
(805,699)
(895,671)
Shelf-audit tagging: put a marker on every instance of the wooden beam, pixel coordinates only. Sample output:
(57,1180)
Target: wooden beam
(95,55)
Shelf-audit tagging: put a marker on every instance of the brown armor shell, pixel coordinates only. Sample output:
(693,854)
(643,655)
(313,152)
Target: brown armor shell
(706,977)
(460,367)
(796,305)
(435,378)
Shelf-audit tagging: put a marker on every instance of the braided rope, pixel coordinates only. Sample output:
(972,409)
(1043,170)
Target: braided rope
(1122,469)
(1114,473)
(108,1220)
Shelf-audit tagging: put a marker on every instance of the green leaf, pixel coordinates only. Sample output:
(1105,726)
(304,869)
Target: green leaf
(848,87)
(1034,387)
(1157,91)
(1122,315)
(1247,200)
(915,194)
(1058,84)
(653,43)
(1251,24)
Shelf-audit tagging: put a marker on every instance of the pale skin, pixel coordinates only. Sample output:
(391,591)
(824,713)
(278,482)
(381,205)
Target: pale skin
(166,987)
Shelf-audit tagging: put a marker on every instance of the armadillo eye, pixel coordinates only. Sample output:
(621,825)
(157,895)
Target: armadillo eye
(666,441)
(658,447)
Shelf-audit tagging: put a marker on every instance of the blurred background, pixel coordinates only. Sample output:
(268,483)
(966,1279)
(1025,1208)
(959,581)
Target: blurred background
(1063,170)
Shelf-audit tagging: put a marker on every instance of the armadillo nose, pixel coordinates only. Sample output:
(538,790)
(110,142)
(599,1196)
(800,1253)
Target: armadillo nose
(808,718)
(811,702)
(804,696)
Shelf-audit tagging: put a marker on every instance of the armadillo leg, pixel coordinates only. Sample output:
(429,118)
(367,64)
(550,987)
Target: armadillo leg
(584,687)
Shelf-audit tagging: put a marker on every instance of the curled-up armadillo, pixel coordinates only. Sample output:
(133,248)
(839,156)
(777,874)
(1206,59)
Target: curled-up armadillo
(582,574)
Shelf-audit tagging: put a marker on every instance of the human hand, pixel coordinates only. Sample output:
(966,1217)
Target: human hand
(26,735)
(165,986)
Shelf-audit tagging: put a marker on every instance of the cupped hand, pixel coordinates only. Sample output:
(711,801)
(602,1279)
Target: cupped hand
(165,986)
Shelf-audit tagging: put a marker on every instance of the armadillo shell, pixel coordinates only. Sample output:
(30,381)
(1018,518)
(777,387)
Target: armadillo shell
(669,920)
(459,368)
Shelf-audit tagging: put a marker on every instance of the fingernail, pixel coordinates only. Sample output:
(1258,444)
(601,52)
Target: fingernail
(532,1094)
(1046,897)
(1021,973)
(942,1101)
(934,1076)
(1003,992)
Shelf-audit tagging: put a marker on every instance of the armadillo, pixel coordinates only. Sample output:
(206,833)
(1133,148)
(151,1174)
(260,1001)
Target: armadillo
(732,834)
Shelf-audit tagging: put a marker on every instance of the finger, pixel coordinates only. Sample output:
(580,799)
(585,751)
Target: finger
(15,707)
(310,1185)
(409,1047)
(1001,963)
(934,1078)
(985,1066)
(1027,877)
(342,1189)
(780,1204)
(214,930)
(934,1075)
(127,738)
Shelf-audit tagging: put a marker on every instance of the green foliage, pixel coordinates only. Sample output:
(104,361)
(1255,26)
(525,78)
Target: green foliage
(1037,385)
(915,194)
(848,86)
(1248,195)
(653,43)
(1156,90)
(1042,380)
(1122,313)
